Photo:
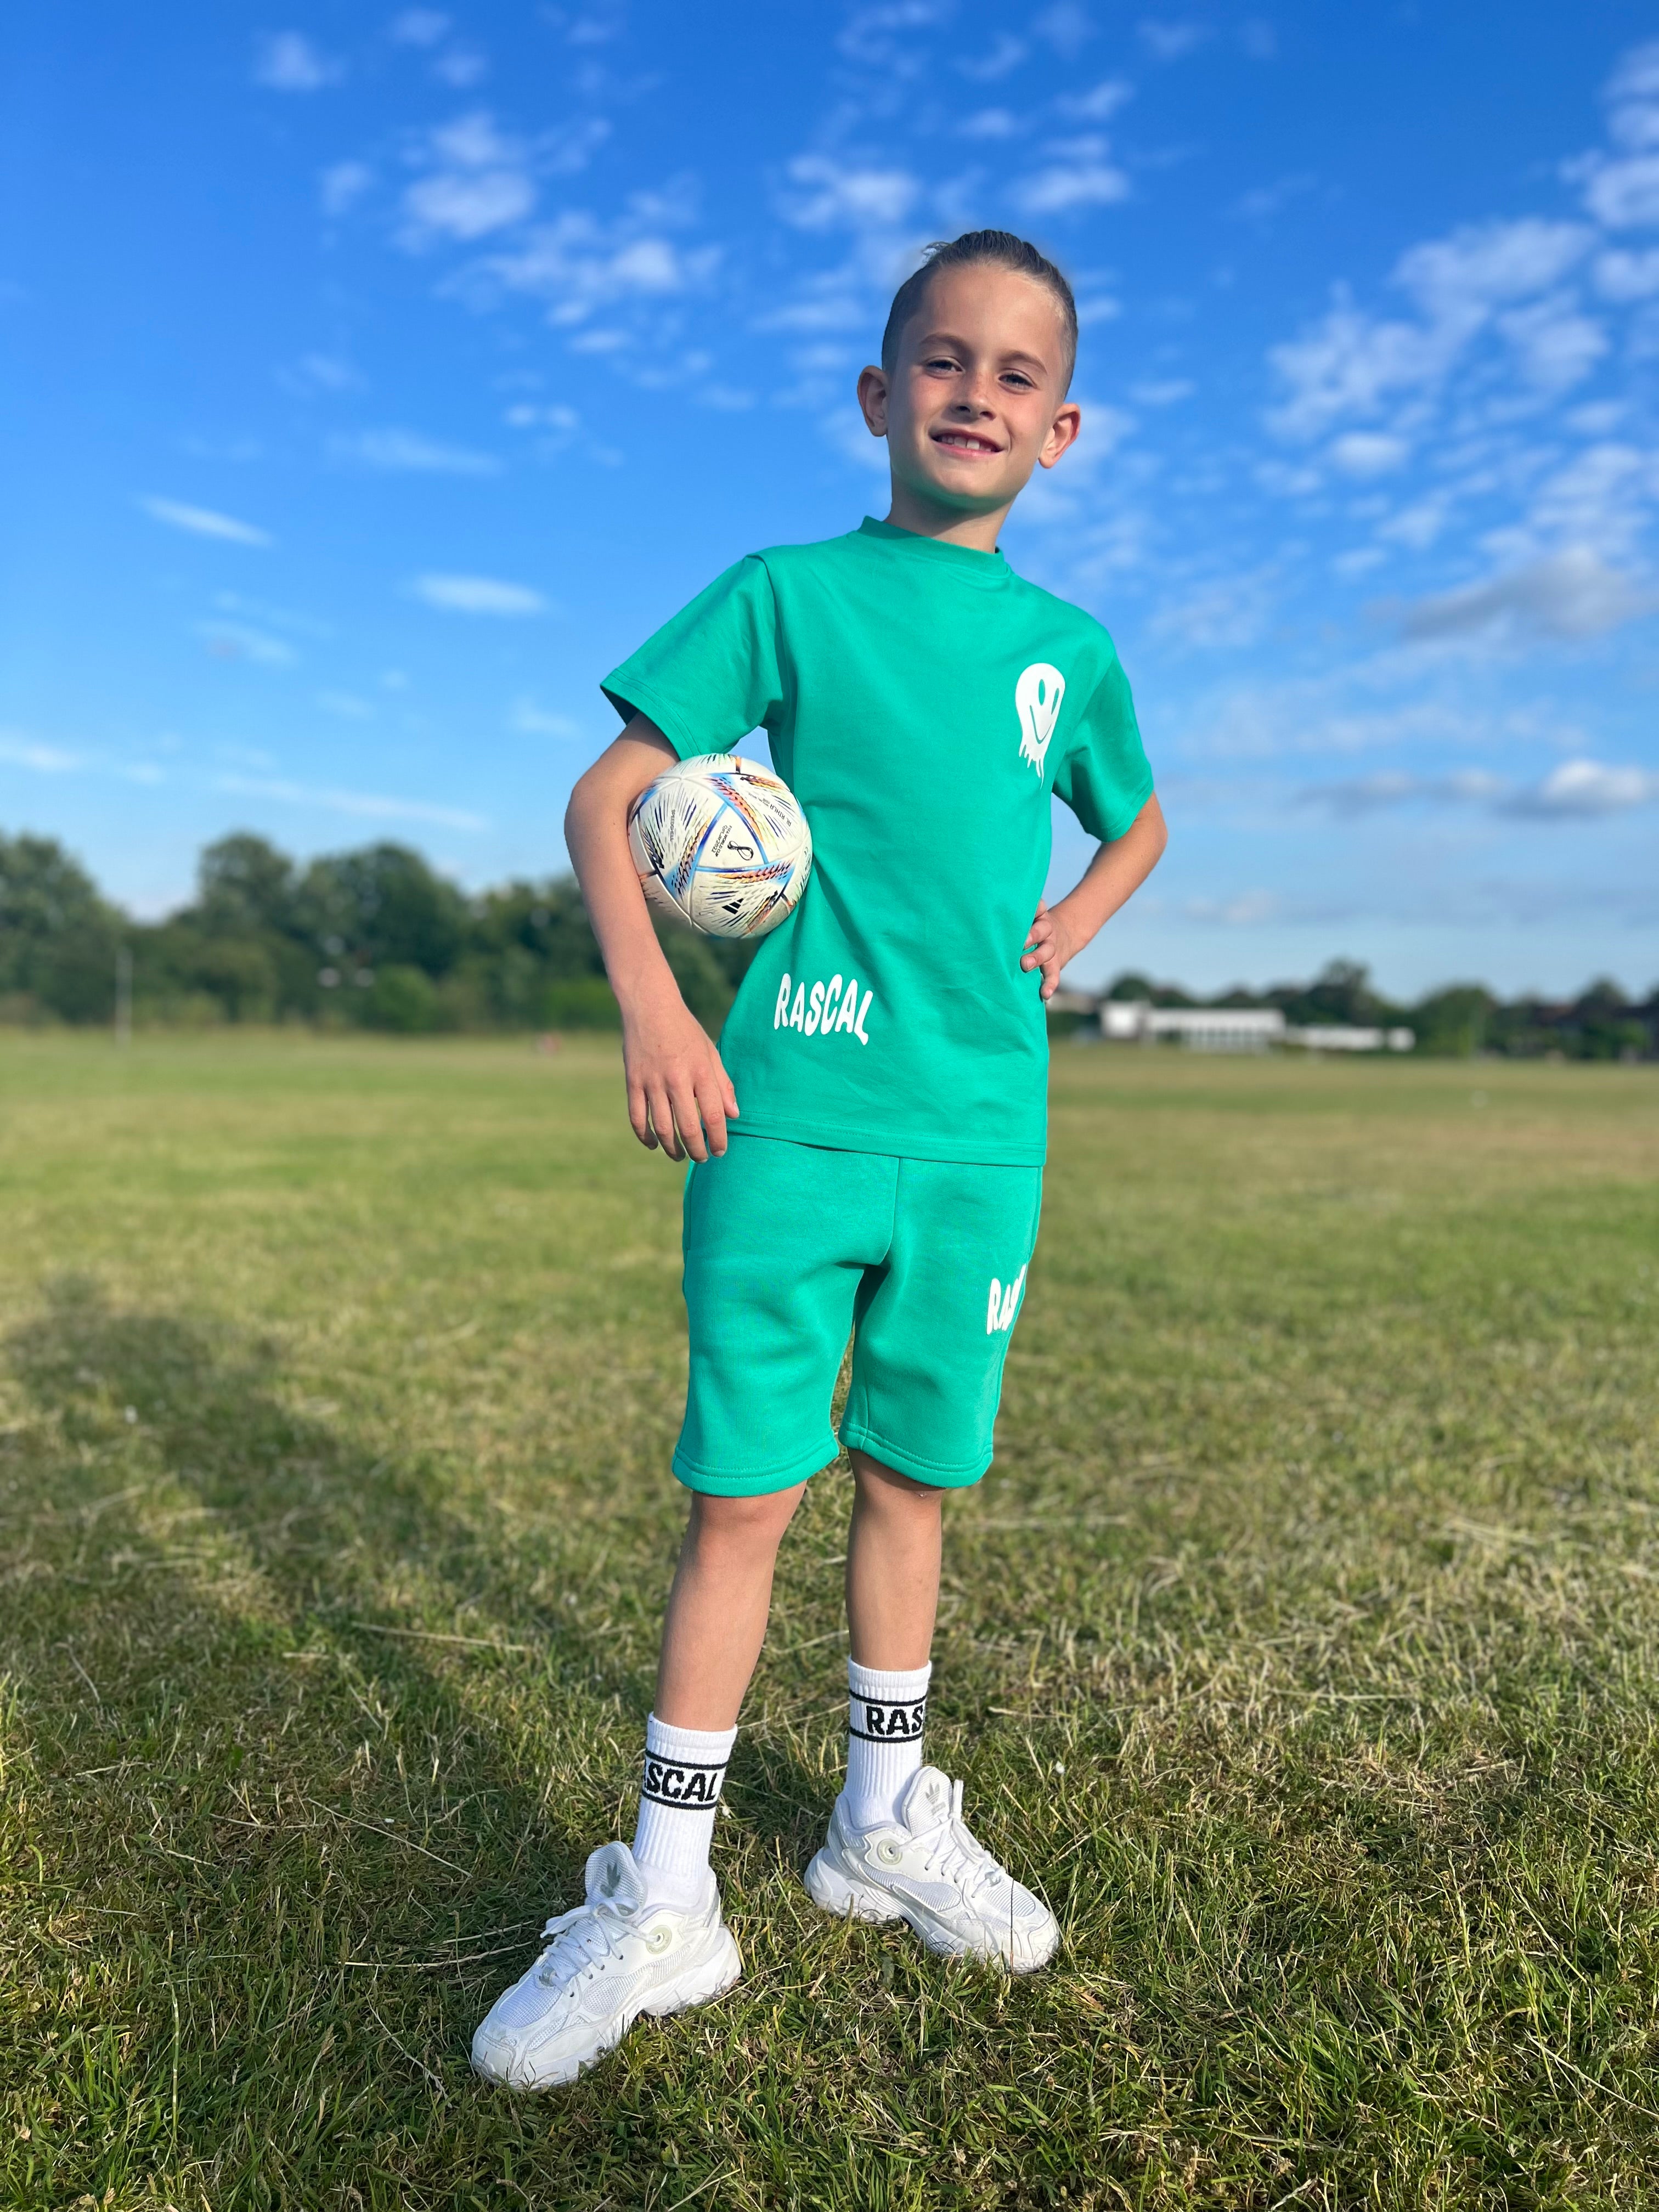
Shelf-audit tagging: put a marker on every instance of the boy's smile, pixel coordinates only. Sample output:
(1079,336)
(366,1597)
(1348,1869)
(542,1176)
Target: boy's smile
(976,400)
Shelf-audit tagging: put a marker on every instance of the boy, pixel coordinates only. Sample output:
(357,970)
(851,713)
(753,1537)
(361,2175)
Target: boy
(888,1048)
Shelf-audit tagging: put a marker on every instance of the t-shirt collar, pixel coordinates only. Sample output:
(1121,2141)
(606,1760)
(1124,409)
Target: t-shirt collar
(977,567)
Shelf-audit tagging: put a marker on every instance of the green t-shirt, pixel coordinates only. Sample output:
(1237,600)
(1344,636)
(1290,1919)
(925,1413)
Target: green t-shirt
(922,703)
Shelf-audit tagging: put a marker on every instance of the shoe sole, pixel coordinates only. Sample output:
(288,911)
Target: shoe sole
(832,1889)
(699,1985)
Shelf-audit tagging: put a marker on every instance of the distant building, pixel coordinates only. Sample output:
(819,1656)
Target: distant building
(1200,1029)
(1334,1036)
(1236,1028)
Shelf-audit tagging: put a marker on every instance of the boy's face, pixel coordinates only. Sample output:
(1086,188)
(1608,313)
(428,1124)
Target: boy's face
(976,399)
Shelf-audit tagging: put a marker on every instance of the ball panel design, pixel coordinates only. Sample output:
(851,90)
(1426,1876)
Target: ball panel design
(720,842)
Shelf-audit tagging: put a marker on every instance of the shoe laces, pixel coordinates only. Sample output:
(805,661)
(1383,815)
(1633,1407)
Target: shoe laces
(952,1850)
(585,1936)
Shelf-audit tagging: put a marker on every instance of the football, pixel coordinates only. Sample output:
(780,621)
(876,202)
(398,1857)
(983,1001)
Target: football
(720,841)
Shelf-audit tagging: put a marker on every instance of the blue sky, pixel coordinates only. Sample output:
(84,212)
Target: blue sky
(380,378)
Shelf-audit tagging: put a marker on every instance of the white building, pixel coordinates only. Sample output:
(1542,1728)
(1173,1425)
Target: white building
(1201,1029)
(1236,1028)
(1333,1037)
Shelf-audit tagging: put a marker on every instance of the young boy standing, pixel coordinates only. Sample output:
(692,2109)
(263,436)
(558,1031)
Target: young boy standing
(888,1048)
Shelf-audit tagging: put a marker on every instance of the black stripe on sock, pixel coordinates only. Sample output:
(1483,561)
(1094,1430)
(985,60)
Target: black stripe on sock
(699,1782)
(899,1720)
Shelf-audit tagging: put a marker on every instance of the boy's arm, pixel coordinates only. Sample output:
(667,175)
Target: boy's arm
(1115,873)
(679,1096)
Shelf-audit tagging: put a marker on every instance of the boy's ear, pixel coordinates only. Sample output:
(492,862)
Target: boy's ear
(1063,432)
(873,388)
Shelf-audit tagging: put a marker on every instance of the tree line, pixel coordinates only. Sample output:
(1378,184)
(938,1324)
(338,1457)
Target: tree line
(376,938)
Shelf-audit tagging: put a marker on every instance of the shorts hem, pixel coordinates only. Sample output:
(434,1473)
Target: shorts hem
(760,1484)
(963,1476)
(825,1138)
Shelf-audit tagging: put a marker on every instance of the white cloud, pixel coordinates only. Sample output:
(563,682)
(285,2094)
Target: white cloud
(874,35)
(1170,42)
(1065,26)
(347,705)
(1623,191)
(465,206)
(205,522)
(1168,393)
(1099,105)
(460,67)
(1006,53)
(477,595)
(1576,788)
(479,179)
(577,264)
(407,453)
(1368,453)
(1588,786)
(533,721)
(1351,363)
(1266,200)
(288,62)
(240,640)
(1079,174)
(360,803)
(1228,610)
(1568,595)
(1484,264)
(830,194)
(1624,276)
(419,26)
(319,372)
(342,184)
(18,750)
(1558,347)
(989,123)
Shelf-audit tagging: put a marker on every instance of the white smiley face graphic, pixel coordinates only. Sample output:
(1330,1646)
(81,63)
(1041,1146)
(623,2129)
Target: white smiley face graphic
(1037,700)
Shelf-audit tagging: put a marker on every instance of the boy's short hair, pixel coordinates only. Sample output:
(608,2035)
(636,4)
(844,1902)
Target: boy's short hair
(996,249)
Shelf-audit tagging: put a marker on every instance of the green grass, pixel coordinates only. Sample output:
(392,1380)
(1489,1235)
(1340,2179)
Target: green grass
(1303,1645)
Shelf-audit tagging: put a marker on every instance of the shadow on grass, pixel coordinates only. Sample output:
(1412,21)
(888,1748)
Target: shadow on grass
(324,1523)
(283,1834)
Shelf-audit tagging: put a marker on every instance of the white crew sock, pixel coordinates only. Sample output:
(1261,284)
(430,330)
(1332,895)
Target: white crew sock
(679,1795)
(887,1710)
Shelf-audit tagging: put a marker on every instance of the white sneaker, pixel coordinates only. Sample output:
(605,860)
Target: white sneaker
(610,1961)
(929,1870)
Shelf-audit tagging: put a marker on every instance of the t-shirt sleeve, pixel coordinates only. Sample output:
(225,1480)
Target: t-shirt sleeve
(713,673)
(1105,778)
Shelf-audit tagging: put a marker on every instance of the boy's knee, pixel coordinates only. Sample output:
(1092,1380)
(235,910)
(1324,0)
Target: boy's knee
(742,1524)
(886,1485)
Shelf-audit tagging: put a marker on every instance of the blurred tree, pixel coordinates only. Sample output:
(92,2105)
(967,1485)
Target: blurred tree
(383,905)
(58,937)
(245,886)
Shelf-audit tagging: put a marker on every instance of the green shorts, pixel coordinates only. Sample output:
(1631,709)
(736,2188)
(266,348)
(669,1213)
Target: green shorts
(787,1247)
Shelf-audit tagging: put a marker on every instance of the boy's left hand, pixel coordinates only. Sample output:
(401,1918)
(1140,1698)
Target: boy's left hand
(1047,947)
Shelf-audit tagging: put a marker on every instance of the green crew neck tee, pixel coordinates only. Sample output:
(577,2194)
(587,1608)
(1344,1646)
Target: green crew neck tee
(923,702)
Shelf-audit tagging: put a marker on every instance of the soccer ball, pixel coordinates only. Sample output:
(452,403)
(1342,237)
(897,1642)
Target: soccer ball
(720,841)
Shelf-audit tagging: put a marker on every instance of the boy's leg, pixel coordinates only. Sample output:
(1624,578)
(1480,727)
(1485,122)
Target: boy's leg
(893,1551)
(717,1608)
(926,1375)
(650,1937)
(711,1639)
(892,1597)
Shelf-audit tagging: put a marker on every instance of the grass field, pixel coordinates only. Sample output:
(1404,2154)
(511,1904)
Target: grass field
(1303,1645)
